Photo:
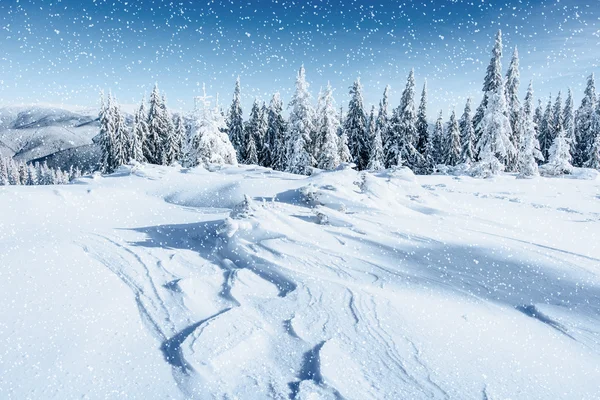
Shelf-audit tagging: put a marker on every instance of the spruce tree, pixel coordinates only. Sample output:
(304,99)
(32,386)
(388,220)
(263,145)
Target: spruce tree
(328,125)
(300,128)
(120,144)
(512,101)
(559,161)
(106,136)
(491,83)
(156,128)
(275,150)
(452,147)
(529,147)
(467,135)
(171,144)
(569,121)
(546,131)
(437,140)
(383,121)
(422,124)
(343,148)
(31,176)
(138,135)
(584,123)
(3,171)
(263,125)
(494,146)
(180,135)
(355,127)
(235,123)
(376,156)
(252,135)
(208,142)
(403,131)
(593,156)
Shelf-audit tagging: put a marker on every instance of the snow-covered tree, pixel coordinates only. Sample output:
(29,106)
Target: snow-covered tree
(584,123)
(437,140)
(546,130)
(467,135)
(179,136)
(452,147)
(263,125)
(253,135)
(3,172)
(157,128)
(355,127)
(422,124)
(494,146)
(529,147)
(275,149)
(491,83)
(593,155)
(568,117)
(343,148)
(300,128)
(207,141)
(559,161)
(171,145)
(383,121)
(514,104)
(107,163)
(120,135)
(138,135)
(376,161)
(32,178)
(403,131)
(235,123)
(327,128)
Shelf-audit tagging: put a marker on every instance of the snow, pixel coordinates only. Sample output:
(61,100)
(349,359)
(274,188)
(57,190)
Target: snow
(242,282)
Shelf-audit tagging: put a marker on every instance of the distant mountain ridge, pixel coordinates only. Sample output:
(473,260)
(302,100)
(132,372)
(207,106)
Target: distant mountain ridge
(59,136)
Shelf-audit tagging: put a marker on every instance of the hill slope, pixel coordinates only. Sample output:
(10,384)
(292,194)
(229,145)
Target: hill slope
(157,282)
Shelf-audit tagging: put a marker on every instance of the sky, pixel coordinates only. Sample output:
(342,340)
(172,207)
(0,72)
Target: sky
(66,51)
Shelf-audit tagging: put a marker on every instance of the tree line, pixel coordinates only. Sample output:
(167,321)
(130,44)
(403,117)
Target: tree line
(19,173)
(502,134)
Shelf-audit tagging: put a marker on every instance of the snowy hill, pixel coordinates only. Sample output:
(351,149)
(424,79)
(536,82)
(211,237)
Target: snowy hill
(32,132)
(246,283)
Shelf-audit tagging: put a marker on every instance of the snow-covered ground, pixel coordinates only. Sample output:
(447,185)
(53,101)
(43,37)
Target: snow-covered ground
(246,283)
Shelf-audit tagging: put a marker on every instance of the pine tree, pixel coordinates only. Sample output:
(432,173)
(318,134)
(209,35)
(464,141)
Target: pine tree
(559,161)
(263,125)
(383,121)
(3,172)
(584,123)
(422,124)
(355,127)
(437,140)
(156,128)
(207,142)
(235,123)
(491,83)
(568,116)
(180,135)
(403,131)
(494,146)
(529,147)
(327,128)
(514,106)
(546,131)
(171,146)
(120,136)
(138,135)
(593,156)
(252,135)
(343,148)
(13,173)
(452,147)
(558,123)
(275,149)
(300,127)
(106,136)
(467,136)
(376,160)
(31,176)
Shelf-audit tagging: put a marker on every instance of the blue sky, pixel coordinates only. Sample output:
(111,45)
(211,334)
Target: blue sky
(65,51)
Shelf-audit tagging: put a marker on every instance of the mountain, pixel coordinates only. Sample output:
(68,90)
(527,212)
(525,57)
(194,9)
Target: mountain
(163,282)
(28,133)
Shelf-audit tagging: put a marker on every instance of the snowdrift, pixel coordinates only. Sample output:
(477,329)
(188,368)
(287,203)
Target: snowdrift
(242,282)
